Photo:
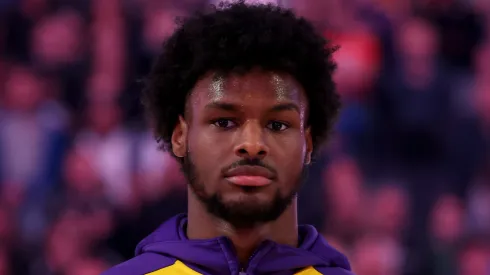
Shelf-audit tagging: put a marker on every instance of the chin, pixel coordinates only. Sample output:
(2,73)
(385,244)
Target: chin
(245,210)
(249,196)
(244,207)
(248,204)
(248,214)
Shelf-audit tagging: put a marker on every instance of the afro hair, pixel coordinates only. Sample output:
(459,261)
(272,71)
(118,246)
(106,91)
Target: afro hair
(235,38)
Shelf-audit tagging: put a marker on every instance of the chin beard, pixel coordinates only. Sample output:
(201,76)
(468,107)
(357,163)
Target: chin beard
(240,214)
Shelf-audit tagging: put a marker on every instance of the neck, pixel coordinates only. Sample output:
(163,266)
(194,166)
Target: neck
(202,225)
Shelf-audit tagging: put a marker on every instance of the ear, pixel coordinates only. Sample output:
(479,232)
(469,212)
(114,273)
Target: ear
(309,145)
(179,138)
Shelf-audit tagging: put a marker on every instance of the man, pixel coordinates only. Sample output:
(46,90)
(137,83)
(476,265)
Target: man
(243,97)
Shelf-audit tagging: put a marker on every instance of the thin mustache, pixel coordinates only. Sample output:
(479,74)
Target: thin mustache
(249,162)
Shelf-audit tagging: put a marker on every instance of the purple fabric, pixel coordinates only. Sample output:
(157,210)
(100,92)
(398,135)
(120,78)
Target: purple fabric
(216,256)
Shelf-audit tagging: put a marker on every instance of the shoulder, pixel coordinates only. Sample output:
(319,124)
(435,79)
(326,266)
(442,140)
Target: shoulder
(332,271)
(325,270)
(141,264)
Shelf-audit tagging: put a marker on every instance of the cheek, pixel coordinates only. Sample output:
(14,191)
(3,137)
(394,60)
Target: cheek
(289,156)
(289,147)
(207,156)
(207,145)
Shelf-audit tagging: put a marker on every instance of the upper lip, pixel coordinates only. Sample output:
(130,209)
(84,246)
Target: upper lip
(248,170)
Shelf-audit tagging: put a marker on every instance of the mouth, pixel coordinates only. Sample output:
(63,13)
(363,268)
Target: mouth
(249,181)
(249,176)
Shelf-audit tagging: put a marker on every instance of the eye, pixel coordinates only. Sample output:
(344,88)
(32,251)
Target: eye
(224,123)
(277,126)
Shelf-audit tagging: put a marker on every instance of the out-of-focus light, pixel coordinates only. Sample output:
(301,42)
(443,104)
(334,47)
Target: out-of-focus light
(275,2)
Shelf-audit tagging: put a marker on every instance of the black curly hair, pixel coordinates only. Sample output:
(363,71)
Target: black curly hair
(235,38)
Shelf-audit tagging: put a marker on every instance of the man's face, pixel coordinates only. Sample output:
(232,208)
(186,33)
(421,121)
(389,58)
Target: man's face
(245,144)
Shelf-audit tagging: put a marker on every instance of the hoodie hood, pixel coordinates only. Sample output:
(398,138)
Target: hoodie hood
(217,256)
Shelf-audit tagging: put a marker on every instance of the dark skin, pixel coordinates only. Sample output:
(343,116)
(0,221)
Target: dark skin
(258,115)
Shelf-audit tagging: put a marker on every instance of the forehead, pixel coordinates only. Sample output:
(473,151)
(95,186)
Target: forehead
(253,87)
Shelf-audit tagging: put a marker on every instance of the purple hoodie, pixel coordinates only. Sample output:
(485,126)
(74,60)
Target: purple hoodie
(168,251)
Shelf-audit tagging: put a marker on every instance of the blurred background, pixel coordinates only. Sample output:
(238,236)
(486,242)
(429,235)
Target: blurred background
(402,188)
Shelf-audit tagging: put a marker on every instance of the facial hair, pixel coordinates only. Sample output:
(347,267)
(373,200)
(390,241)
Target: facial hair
(240,214)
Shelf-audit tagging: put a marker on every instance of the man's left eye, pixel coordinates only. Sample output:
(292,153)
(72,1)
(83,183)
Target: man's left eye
(277,126)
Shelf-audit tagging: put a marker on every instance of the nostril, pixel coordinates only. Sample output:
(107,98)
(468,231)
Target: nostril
(242,151)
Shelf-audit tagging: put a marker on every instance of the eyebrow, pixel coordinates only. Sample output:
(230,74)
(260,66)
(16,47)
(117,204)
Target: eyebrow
(234,108)
(222,106)
(285,107)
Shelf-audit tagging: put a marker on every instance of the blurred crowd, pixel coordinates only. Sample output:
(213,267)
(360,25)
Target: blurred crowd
(402,188)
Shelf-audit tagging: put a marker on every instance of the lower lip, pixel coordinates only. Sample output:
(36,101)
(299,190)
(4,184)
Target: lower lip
(255,181)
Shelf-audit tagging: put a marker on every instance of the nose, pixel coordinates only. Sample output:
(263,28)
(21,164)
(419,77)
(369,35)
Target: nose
(251,142)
